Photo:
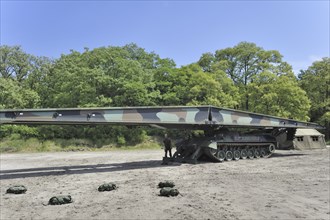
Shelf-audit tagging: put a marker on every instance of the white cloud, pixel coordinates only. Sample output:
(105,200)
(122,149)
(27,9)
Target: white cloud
(314,58)
(304,64)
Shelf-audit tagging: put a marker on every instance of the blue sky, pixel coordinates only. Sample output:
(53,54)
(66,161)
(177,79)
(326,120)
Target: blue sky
(180,30)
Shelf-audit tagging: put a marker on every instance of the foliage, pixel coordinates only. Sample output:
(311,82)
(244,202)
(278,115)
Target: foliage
(242,63)
(15,143)
(278,95)
(316,82)
(15,63)
(189,85)
(14,95)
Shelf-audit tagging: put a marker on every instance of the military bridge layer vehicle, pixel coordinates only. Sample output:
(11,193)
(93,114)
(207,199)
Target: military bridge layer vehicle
(228,134)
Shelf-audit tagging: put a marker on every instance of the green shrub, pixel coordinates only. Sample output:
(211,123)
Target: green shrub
(121,140)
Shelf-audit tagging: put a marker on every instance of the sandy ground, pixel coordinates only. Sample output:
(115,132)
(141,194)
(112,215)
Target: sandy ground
(289,185)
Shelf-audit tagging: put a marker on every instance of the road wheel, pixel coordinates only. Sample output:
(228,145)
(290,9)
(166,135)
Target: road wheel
(237,155)
(229,155)
(250,154)
(221,155)
(263,153)
(244,154)
(256,153)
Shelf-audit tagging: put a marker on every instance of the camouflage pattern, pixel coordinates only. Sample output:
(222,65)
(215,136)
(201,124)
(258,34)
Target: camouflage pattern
(60,200)
(19,189)
(107,187)
(235,118)
(168,191)
(166,184)
(195,117)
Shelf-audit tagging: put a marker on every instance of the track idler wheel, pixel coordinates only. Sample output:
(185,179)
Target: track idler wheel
(271,148)
(237,155)
(229,155)
(244,154)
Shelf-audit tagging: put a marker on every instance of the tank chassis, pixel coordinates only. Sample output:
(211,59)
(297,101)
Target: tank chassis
(221,141)
(224,145)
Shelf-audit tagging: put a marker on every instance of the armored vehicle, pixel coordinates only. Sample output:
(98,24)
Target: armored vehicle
(228,134)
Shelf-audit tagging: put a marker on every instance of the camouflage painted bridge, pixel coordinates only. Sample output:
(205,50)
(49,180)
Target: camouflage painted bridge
(186,117)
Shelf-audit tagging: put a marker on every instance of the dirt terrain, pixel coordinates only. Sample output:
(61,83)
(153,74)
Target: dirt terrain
(289,185)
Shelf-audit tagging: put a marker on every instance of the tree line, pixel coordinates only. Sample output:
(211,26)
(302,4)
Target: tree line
(244,77)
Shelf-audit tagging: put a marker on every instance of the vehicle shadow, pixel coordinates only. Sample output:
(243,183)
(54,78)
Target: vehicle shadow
(285,155)
(81,169)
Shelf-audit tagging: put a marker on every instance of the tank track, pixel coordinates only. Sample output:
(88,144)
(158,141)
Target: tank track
(237,151)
